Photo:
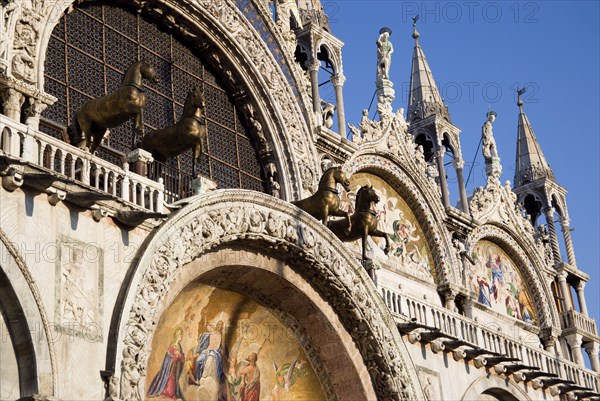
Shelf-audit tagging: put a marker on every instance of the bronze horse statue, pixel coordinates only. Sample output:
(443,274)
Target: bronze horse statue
(326,201)
(186,133)
(364,222)
(95,116)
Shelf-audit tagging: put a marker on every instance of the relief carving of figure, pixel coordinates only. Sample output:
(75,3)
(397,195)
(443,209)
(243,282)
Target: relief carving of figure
(24,46)
(7,10)
(369,128)
(78,292)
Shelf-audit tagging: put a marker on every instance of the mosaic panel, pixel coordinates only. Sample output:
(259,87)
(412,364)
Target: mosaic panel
(213,344)
(498,284)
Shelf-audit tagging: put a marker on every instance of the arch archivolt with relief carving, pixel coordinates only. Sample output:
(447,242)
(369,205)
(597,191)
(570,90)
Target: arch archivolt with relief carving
(228,222)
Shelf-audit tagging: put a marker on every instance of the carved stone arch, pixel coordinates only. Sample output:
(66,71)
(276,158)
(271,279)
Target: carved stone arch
(500,388)
(36,357)
(249,70)
(238,218)
(496,386)
(529,265)
(556,201)
(428,138)
(533,203)
(431,221)
(448,142)
(334,57)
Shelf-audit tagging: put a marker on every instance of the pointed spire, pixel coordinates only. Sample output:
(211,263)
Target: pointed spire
(531,164)
(424,96)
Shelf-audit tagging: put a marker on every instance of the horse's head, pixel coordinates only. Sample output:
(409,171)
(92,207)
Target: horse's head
(196,98)
(341,178)
(148,72)
(366,194)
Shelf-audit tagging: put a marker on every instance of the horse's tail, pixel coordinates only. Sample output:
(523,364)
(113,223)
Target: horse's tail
(74,131)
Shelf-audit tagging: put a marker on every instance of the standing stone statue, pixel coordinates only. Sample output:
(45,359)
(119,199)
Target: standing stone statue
(493,168)
(385,49)
(488,142)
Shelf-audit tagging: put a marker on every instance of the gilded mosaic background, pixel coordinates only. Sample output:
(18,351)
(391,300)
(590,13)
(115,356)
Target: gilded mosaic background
(496,280)
(408,249)
(213,344)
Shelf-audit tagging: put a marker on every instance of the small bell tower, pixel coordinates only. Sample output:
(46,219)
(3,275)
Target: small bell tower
(430,123)
(539,194)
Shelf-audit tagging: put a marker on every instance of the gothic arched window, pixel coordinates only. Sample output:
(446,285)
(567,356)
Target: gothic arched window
(90,49)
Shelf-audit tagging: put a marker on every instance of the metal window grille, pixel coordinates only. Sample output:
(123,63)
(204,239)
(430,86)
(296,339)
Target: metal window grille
(90,50)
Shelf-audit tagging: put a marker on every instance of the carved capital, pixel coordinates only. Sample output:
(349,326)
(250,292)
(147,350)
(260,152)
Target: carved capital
(562,276)
(12,100)
(458,163)
(313,65)
(338,79)
(35,107)
(591,348)
(574,340)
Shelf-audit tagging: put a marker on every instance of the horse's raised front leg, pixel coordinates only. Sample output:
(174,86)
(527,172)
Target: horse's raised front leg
(381,234)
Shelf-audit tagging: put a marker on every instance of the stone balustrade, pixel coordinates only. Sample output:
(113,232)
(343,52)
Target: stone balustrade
(527,348)
(574,320)
(21,142)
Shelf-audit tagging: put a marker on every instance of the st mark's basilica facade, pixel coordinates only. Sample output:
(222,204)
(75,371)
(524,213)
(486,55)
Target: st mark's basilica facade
(180,219)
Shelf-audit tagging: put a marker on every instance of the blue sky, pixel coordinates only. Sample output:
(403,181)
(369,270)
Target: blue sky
(479,52)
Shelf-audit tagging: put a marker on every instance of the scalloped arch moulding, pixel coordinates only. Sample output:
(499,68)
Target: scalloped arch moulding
(245,220)
(236,49)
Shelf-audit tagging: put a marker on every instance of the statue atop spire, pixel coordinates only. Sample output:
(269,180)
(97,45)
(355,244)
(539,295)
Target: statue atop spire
(385,49)
(493,168)
(385,87)
(488,142)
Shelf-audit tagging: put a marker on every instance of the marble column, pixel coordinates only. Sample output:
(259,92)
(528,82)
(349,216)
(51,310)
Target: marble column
(338,81)
(464,202)
(581,297)
(592,350)
(574,341)
(549,212)
(34,111)
(566,229)
(313,67)
(442,177)
(12,100)
(565,291)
